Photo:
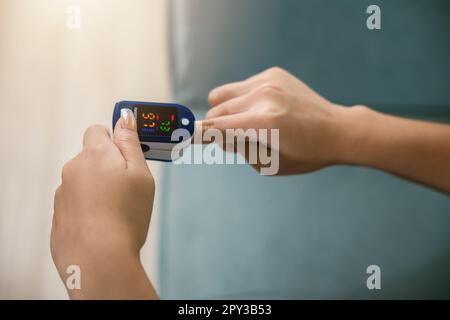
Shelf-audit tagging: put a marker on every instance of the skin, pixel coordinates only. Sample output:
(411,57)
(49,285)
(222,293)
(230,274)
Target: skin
(103,206)
(316,133)
(102,213)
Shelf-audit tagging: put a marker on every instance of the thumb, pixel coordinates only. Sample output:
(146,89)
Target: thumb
(126,139)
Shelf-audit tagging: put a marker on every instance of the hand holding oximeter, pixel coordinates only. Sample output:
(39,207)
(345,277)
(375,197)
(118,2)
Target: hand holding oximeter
(160,126)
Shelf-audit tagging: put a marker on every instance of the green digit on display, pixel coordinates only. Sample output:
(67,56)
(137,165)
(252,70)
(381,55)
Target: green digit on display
(165,126)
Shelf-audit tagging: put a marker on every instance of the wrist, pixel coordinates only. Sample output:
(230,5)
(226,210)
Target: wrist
(118,276)
(355,131)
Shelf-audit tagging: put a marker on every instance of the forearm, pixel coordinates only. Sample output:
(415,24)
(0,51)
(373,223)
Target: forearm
(415,150)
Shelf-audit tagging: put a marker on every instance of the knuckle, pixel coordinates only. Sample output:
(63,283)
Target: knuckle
(212,96)
(95,127)
(96,150)
(90,130)
(275,71)
(270,115)
(268,89)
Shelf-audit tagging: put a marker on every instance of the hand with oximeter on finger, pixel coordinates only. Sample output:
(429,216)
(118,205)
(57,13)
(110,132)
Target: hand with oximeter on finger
(103,206)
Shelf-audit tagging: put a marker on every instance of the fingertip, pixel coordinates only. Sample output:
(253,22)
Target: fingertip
(127,119)
(213,97)
(125,124)
(223,93)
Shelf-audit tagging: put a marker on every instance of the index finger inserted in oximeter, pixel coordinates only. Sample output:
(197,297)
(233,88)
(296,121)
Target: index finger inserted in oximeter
(156,124)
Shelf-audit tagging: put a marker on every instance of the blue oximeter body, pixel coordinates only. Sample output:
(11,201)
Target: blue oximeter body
(156,123)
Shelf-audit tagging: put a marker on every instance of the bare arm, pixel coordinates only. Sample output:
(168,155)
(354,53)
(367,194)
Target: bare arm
(316,133)
(415,150)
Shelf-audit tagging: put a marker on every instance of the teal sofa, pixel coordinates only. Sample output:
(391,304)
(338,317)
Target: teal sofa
(227,232)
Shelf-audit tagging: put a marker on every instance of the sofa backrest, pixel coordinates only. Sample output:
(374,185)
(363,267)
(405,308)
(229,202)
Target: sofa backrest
(402,68)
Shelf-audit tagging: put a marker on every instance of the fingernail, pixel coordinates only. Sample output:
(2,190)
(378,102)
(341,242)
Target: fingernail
(128,118)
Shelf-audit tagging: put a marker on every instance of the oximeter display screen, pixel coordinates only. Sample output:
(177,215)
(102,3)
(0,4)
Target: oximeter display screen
(156,120)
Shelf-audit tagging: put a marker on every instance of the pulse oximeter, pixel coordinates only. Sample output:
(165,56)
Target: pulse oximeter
(161,127)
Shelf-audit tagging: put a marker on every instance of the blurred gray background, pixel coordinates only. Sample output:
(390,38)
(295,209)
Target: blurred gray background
(54,83)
